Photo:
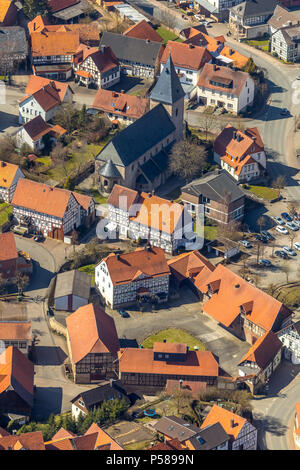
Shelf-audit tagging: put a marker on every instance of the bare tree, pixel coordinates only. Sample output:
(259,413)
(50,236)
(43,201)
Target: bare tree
(181,399)
(261,222)
(59,153)
(208,124)
(292,236)
(292,208)
(271,289)
(21,282)
(279,183)
(230,230)
(286,269)
(187,159)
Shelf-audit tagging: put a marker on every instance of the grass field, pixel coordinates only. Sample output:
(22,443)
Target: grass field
(5,213)
(167,35)
(264,192)
(174,335)
(89,269)
(210,233)
(290,296)
(262,44)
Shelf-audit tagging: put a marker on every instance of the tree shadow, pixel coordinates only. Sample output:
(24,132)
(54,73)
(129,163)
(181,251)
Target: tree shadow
(271,425)
(48,355)
(47,400)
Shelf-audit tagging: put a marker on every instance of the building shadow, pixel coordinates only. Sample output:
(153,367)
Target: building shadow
(40,277)
(48,355)
(128,343)
(126,83)
(8,120)
(47,400)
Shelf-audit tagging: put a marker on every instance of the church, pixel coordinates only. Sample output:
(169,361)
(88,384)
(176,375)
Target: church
(137,157)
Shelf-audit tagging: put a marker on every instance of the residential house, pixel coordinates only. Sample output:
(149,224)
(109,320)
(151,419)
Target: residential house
(261,360)
(148,370)
(129,278)
(197,35)
(14,47)
(285,43)
(93,344)
(249,19)
(297,425)
(137,57)
(190,269)
(34,132)
(218,9)
(8,256)
(121,107)
(242,434)
(8,13)
(87,401)
(282,18)
(190,436)
(25,441)
(94,439)
(224,87)
(290,338)
(9,177)
(72,290)
(231,57)
(64,90)
(241,153)
(241,307)
(16,385)
(53,211)
(188,61)
(52,53)
(194,389)
(140,151)
(17,334)
(143,30)
(163,223)
(68,11)
(217,195)
(100,69)
(170,445)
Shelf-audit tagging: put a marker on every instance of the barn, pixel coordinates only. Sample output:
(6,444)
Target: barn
(72,290)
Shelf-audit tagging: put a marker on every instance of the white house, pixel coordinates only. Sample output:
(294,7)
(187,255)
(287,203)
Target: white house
(220,86)
(44,102)
(100,68)
(9,177)
(130,278)
(285,43)
(33,132)
(290,338)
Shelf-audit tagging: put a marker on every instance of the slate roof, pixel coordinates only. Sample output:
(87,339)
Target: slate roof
(168,88)
(251,8)
(132,49)
(176,428)
(210,437)
(73,282)
(214,186)
(136,139)
(13,40)
(99,394)
(109,170)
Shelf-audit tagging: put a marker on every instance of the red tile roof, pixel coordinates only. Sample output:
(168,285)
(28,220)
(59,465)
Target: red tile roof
(197,363)
(263,351)
(125,268)
(186,55)
(231,422)
(58,5)
(103,438)
(191,265)
(121,104)
(171,444)
(239,60)
(8,249)
(122,197)
(62,434)
(36,83)
(195,388)
(143,30)
(225,144)
(3,433)
(15,330)
(54,43)
(29,441)
(173,348)
(91,330)
(232,292)
(226,75)
(104,59)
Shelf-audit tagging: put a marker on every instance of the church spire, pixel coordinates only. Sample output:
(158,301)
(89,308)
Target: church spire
(168,89)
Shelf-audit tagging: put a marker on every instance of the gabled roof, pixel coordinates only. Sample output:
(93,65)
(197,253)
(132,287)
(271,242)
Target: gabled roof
(73,283)
(168,88)
(36,83)
(15,330)
(209,437)
(54,43)
(104,59)
(58,5)
(13,40)
(121,103)
(239,60)
(91,330)
(7,173)
(5,5)
(170,445)
(282,18)
(251,8)
(176,428)
(230,422)
(62,434)
(36,128)
(186,55)
(263,351)
(17,371)
(105,391)
(191,265)
(219,74)
(103,438)
(240,145)
(124,268)
(122,197)
(232,292)
(143,30)
(135,140)
(29,441)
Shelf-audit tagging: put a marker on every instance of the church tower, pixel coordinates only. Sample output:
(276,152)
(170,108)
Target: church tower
(169,92)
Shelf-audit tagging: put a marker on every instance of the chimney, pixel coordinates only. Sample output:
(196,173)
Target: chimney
(237,286)
(214,67)
(254,138)
(232,423)
(102,48)
(122,91)
(234,135)
(191,46)
(118,256)
(147,41)
(3,164)
(180,383)
(230,51)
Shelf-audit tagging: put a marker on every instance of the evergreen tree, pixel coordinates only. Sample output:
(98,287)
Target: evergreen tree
(32,8)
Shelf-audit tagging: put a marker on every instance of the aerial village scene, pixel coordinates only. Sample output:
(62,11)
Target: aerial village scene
(150,225)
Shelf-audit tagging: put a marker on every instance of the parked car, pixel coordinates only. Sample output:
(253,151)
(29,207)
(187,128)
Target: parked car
(261,238)
(264,262)
(123,313)
(286,217)
(266,234)
(282,230)
(246,244)
(292,226)
(281,254)
(297,223)
(297,246)
(38,238)
(278,220)
(289,251)
(284,112)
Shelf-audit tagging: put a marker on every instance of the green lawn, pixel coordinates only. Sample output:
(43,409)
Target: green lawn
(174,335)
(262,44)
(89,269)
(5,214)
(46,161)
(98,197)
(167,35)
(290,296)
(210,233)
(263,191)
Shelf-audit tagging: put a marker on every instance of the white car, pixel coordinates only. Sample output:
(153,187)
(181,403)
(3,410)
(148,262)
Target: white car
(292,226)
(297,246)
(282,230)
(296,222)
(289,251)
(278,220)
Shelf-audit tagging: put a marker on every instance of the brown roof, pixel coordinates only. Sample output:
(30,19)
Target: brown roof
(47,96)
(103,438)
(127,267)
(8,250)
(263,351)
(239,60)
(186,55)
(7,173)
(17,330)
(121,103)
(232,292)
(173,348)
(197,363)
(36,83)
(3,433)
(194,388)
(17,371)
(58,5)
(5,5)
(54,43)
(222,75)
(171,444)
(36,128)
(104,59)
(143,30)
(199,38)
(62,434)
(29,441)
(191,265)
(122,197)
(91,330)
